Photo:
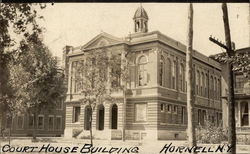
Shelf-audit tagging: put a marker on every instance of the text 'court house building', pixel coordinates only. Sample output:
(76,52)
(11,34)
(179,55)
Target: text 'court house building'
(156,104)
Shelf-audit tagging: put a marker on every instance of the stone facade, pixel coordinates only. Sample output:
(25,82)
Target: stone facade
(156,102)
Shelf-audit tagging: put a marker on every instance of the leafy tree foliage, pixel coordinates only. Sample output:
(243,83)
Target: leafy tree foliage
(34,76)
(36,82)
(92,76)
(30,79)
(240,61)
(19,19)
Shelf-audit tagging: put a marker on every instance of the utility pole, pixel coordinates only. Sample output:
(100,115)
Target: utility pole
(190,91)
(124,87)
(230,99)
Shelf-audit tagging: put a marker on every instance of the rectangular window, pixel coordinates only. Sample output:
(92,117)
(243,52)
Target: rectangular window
(31,121)
(20,121)
(40,122)
(163,113)
(175,109)
(182,115)
(51,123)
(199,116)
(169,108)
(76,114)
(141,112)
(204,117)
(217,119)
(174,72)
(163,106)
(58,125)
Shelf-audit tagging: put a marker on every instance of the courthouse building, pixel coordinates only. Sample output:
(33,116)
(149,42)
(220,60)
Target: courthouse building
(156,105)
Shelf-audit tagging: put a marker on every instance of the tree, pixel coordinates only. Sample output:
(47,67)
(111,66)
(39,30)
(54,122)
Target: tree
(100,74)
(92,80)
(35,79)
(190,91)
(15,19)
(240,61)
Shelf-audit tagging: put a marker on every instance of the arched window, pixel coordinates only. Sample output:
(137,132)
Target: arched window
(215,89)
(212,87)
(142,71)
(219,89)
(87,116)
(162,71)
(100,117)
(74,74)
(207,85)
(182,78)
(174,72)
(198,83)
(114,116)
(202,84)
(168,73)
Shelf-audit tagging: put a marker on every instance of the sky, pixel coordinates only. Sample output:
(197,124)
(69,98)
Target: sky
(77,23)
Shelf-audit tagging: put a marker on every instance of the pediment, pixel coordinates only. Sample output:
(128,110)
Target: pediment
(101,40)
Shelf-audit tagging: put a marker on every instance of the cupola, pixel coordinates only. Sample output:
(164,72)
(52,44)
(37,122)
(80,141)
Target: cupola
(141,20)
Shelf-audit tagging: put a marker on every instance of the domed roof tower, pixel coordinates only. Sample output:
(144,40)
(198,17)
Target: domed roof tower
(141,20)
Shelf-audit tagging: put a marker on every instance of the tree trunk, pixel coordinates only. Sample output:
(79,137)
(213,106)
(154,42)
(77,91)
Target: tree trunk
(90,128)
(190,91)
(231,101)
(10,130)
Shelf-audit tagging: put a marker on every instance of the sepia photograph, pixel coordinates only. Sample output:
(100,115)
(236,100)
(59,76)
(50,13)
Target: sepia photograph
(147,78)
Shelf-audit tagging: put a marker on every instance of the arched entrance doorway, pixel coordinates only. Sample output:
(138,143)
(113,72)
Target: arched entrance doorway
(87,116)
(114,116)
(100,117)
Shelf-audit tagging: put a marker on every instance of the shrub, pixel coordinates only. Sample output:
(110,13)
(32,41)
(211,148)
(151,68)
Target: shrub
(210,134)
(76,132)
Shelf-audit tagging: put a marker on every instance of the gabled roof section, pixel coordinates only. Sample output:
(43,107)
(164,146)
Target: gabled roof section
(103,39)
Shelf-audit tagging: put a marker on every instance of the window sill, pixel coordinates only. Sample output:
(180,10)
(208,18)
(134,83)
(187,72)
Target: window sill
(165,124)
(20,129)
(171,89)
(137,123)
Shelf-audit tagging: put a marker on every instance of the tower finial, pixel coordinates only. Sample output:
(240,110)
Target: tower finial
(141,20)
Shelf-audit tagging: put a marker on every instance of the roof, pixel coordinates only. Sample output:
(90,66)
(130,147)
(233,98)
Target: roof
(140,13)
(243,50)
